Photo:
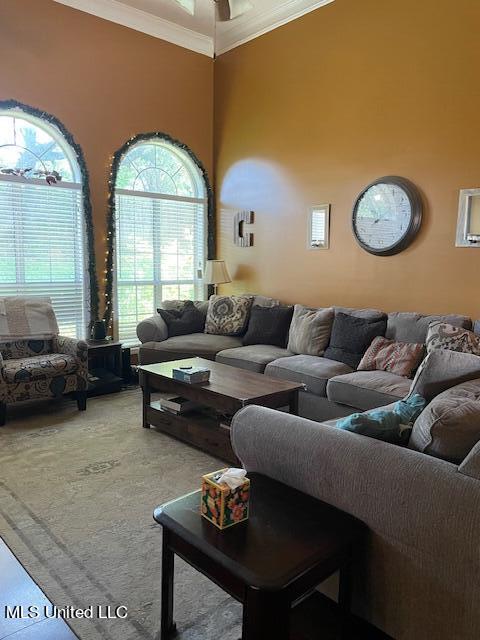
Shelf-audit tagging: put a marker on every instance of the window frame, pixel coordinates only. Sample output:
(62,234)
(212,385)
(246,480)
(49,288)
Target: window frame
(74,155)
(199,177)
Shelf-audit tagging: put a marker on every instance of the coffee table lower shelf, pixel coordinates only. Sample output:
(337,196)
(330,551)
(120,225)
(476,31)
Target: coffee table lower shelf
(199,428)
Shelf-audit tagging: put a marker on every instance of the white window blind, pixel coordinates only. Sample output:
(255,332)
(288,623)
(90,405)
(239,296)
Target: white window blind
(41,247)
(160,248)
(160,231)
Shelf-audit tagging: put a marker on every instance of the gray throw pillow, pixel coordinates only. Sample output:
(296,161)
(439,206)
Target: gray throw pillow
(351,337)
(182,323)
(179,305)
(449,427)
(443,369)
(310,330)
(228,315)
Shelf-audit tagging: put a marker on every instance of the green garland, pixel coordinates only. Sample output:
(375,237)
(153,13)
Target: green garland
(87,204)
(116,160)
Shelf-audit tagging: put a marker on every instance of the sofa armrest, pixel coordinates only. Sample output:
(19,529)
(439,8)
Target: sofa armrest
(402,495)
(71,346)
(152,329)
(76,348)
(471,465)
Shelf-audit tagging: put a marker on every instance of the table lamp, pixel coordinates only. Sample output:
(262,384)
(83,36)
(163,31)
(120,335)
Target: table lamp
(216,273)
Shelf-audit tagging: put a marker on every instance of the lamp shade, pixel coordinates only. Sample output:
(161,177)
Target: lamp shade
(216,272)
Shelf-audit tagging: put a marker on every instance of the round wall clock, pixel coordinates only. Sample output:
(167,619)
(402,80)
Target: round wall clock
(387,216)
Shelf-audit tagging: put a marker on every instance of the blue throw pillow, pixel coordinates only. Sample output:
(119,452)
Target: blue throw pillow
(390,425)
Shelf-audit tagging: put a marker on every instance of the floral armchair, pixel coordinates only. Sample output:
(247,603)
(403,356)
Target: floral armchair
(46,368)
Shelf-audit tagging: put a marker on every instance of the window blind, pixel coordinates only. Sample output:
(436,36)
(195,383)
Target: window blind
(41,247)
(160,252)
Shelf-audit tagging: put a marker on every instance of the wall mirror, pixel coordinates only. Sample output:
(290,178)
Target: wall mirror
(319,227)
(468,225)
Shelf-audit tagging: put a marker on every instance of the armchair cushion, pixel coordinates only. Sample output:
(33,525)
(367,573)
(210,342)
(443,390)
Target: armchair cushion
(39,367)
(25,348)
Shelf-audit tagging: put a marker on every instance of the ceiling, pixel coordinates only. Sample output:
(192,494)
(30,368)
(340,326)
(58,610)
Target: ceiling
(165,19)
(202,22)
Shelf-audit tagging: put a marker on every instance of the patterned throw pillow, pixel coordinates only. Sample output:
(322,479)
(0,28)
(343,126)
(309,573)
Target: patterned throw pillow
(228,315)
(401,358)
(445,336)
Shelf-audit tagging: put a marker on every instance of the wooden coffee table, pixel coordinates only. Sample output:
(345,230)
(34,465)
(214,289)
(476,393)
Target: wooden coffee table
(290,544)
(228,390)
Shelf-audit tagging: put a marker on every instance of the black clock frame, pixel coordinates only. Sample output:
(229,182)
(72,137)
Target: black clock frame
(416,206)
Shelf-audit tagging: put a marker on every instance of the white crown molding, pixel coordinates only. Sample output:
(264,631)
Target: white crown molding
(228,36)
(146,23)
(250,26)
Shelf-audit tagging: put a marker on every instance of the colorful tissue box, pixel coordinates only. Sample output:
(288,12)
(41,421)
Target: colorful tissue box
(221,505)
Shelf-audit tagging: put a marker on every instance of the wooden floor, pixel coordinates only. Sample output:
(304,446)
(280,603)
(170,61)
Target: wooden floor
(17,588)
(316,617)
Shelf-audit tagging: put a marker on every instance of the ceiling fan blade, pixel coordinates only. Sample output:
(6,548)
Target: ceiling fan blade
(187,5)
(239,7)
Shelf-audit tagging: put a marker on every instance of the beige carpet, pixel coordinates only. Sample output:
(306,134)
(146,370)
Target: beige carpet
(77,492)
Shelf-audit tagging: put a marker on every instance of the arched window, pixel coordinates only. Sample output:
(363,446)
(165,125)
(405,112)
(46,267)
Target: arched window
(41,224)
(160,231)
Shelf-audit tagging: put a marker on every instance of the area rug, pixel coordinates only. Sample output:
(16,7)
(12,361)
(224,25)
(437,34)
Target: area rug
(77,491)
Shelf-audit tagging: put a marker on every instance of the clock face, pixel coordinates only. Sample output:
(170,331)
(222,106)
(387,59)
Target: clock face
(387,216)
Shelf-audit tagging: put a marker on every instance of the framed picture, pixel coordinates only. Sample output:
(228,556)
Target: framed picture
(468,225)
(319,227)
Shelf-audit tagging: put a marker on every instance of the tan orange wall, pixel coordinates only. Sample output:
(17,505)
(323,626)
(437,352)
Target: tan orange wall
(105,83)
(315,110)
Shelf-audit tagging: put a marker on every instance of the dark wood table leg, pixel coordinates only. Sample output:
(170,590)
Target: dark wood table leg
(118,362)
(147,397)
(266,614)
(293,404)
(167,625)
(345,599)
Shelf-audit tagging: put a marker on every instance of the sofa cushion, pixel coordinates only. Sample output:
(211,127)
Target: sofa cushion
(263,301)
(228,315)
(443,369)
(202,345)
(310,330)
(25,348)
(268,325)
(450,426)
(413,327)
(367,389)
(367,314)
(313,371)
(351,337)
(39,367)
(252,357)
(442,335)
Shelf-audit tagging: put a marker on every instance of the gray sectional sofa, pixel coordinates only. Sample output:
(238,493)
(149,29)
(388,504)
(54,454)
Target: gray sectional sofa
(418,575)
(333,389)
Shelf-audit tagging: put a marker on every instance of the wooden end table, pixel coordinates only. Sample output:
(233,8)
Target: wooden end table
(289,545)
(228,390)
(105,365)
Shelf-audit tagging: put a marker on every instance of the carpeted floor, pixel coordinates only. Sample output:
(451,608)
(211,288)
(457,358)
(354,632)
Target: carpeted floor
(77,490)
